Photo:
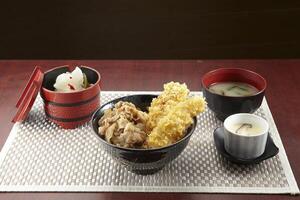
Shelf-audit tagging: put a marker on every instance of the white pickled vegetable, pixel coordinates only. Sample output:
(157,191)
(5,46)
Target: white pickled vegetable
(70,82)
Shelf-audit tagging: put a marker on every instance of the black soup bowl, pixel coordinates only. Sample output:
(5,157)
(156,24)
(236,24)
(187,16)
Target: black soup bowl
(140,161)
(224,106)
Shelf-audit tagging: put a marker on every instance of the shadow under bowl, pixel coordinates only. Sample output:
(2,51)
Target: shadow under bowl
(224,106)
(140,161)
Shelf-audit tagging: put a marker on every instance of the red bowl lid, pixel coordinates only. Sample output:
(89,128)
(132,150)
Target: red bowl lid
(29,95)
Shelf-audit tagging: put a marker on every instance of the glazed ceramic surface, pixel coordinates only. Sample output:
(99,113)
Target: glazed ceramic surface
(141,161)
(271,149)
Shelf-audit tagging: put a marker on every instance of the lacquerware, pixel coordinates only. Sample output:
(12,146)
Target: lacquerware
(140,161)
(224,106)
(72,109)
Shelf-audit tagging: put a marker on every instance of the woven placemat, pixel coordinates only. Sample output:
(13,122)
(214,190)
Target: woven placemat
(40,156)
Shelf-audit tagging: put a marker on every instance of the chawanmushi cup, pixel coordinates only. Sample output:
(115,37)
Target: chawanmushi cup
(245,146)
(72,109)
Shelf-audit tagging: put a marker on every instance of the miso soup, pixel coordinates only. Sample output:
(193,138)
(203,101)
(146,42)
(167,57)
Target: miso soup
(233,89)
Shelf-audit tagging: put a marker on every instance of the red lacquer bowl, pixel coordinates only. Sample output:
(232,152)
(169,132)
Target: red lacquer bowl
(72,109)
(224,106)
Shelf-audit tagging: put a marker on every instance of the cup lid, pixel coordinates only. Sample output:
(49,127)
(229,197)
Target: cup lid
(29,95)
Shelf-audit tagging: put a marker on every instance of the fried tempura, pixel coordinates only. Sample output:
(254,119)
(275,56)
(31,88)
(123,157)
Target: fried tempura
(173,94)
(171,114)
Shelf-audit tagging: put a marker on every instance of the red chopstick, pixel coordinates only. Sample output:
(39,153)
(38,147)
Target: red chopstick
(26,103)
(33,77)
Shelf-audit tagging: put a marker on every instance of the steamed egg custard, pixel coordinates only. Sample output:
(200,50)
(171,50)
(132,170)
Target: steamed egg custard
(246,129)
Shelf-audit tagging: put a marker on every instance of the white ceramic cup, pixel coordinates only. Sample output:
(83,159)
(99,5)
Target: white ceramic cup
(245,146)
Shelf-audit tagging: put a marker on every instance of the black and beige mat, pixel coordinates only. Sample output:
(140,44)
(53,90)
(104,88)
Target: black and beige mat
(39,156)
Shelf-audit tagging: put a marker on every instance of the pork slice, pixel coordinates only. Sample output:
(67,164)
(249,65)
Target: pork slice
(107,113)
(104,126)
(110,132)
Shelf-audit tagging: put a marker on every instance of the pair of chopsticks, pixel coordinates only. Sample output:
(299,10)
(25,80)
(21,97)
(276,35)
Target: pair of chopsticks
(28,95)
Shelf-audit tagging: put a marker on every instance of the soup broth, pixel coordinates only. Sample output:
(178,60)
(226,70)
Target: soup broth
(233,89)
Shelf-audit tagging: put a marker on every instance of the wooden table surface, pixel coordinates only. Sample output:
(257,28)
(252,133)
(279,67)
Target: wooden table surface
(282,94)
